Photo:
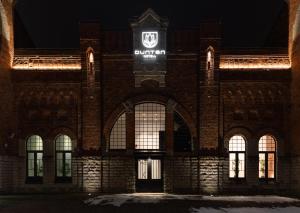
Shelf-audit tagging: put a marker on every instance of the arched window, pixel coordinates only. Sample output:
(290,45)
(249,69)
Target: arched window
(237,158)
(182,135)
(150,126)
(210,64)
(118,134)
(34,149)
(267,157)
(63,149)
(90,60)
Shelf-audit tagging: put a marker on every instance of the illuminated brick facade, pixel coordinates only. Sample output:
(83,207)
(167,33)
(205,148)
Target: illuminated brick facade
(197,96)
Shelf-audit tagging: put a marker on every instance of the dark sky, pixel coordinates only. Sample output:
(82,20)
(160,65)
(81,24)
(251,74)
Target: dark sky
(54,23)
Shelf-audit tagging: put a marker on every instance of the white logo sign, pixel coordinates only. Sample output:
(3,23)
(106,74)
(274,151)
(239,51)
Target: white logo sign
(150,39)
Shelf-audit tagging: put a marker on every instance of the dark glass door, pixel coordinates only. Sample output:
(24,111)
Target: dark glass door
(149,175)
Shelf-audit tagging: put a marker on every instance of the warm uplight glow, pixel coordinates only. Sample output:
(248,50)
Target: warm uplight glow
(91,58)
(47,63)
(267,62)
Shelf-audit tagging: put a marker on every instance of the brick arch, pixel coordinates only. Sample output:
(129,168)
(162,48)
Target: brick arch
(63,131)
(245,132)
(129,104)
(280,145)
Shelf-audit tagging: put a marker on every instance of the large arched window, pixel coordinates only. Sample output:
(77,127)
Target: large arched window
(34,149)
(237,157)
(63,148)
(150,126)
(267,157)
(118,134)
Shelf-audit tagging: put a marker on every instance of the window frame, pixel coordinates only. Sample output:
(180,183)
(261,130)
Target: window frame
(146,127)
(63,178)
(35,179)
(115,127)
(236,153)
(266,154)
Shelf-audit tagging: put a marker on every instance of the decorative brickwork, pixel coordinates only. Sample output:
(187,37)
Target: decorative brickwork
(68,92)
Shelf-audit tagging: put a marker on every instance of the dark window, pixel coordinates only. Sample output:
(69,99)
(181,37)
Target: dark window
(34,149)
(63,147)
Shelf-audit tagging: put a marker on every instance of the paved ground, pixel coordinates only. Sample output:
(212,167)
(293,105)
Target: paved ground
(144,203)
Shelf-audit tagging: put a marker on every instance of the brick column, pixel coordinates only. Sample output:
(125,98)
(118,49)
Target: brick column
(209,96)
(170,127)
(91,91)
(130,127)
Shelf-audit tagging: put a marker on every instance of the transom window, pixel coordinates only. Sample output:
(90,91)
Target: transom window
(237,150)
(267,157)
(34,149)
(118,134)
(149,126)
(63,147)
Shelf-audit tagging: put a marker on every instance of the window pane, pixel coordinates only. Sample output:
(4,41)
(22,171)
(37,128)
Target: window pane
(232,165)
(142,169)
(271,165)
(155,169)
(63,143)
(267,143)
(262,165)
(149,126)
(237,143)
(30,164)
(35,143)
(118,134)
(59,164)
(68,164)
(241,165)
(39,162)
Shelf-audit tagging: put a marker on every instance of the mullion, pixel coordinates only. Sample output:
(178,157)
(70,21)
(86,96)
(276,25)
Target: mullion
(35,164)
(266,165)
(63,162)
(237,165)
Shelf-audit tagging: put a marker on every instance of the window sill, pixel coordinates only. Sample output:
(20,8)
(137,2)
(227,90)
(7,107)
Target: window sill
(34,180)
(266,181)
(238,180)
(63,180)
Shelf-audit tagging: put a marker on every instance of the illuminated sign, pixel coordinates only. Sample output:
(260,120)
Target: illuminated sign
(149,40)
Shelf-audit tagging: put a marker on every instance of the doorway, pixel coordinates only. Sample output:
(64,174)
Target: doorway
(149,175)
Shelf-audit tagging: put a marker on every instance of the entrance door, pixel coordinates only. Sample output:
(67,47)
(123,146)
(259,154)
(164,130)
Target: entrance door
(149,175)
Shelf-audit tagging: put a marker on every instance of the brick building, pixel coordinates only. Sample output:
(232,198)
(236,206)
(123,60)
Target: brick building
(150,108)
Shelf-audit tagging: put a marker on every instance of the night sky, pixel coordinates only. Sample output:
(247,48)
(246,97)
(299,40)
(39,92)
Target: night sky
(54,23)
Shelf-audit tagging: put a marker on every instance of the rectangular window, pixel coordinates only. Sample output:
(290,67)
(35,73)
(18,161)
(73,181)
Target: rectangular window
(30,165)
(149,126)
(68,164)
(156,169)
(59,165)
(232,166)
(262,165)
(142,169)
(271,165)
(241,162)
(149,169)
(39,169)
